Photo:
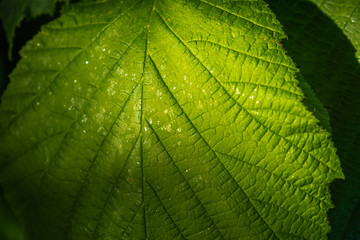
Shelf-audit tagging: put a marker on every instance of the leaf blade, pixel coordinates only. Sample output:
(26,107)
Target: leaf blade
(154,109)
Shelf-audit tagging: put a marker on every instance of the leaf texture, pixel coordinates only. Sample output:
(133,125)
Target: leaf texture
(331,66)
(168,119)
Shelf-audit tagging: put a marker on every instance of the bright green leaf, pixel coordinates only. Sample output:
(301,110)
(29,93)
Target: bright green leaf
(332,67)
(163,120)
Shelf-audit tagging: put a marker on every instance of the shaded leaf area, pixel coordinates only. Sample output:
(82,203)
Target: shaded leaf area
(328,61)
(9,227)
(164,119)
(346,15)
(13,12)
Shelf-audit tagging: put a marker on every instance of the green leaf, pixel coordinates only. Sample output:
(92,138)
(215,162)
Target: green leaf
(169,119)
(346,14)
(331,66)
(313,103)
(12,12)
(9,227)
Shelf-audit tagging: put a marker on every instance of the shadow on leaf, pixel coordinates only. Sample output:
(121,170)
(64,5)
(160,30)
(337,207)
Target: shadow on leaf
(327,62)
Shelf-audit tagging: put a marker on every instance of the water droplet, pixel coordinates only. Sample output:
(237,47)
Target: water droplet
(187,170)
(86,62)
(145,128)
(84,131)
(75,81)
(38,44)
(166,111)
(234,34)
(251,97)
(257,102)
(38,103)
(85,119)
(179,129)
(237,91)
(104,49)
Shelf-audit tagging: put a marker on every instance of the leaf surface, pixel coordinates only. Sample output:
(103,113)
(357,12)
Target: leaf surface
(331,66)
(163,120)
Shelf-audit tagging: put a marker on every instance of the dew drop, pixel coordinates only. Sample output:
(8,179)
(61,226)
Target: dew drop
(179,129)
(86,62)
(75,81)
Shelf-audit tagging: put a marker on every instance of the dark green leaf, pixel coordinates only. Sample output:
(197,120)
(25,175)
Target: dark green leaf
(12,12)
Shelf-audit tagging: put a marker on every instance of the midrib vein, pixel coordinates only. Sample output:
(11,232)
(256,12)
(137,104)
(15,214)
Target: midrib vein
(142,118)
